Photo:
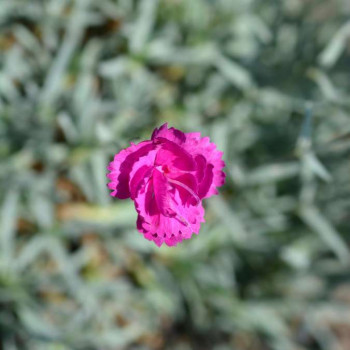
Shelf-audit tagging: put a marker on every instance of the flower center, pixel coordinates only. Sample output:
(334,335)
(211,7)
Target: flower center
(165,169)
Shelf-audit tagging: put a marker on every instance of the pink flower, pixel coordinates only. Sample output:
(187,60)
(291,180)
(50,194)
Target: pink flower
(167,177)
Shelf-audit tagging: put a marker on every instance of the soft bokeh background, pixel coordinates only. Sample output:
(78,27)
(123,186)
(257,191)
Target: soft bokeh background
(268,81)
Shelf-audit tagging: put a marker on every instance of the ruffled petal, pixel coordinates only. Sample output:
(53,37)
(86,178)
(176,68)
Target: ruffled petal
(192,153)
(142,170)
(122,165)
(162,194)
(209,164)
(170,134)
(136,180)
(206,182)
(167,229)
(186,185)
(172,155)
(201,165)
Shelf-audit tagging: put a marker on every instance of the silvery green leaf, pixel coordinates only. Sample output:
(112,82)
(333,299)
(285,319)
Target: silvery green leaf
(142,28)
(317,167)
(114,67)
(98,165)
(326,86)
(37,325)
(72,38)
(229,218)
(272,173)
(335,47)
(318,223)
(66,123)
(235,73)
(161,52)
(8,218)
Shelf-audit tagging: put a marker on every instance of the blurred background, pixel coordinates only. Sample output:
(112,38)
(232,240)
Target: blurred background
(268,81)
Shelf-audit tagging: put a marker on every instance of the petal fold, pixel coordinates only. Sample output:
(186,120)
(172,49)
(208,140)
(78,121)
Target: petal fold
(122,166)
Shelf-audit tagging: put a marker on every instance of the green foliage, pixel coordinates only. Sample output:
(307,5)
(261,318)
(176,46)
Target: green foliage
(268,81)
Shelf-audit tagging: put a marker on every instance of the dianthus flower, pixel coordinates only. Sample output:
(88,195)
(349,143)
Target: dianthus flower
(167,177)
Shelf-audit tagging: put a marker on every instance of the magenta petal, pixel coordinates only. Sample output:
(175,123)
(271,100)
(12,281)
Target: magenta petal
(170,134)
(159,130)
(162,194)
(173,154)
(207,181)
(150,203)
(198,146)
(187,187)
(201,165)
(138,176)
(147,209)
(122,165)
(161,228)
(167,177)
(126,167)
(137,179)
(171,230)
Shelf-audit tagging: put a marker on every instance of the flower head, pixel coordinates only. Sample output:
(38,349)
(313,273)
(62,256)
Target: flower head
(167,177)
